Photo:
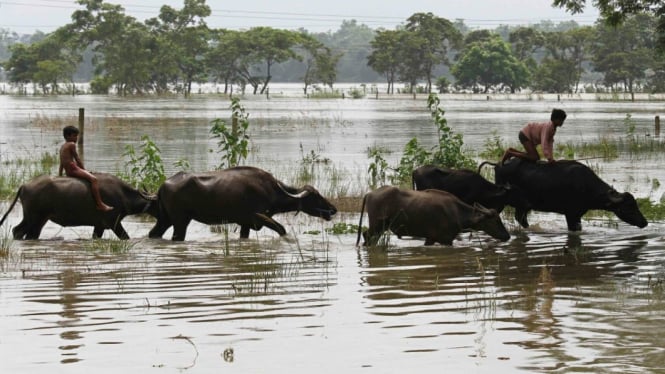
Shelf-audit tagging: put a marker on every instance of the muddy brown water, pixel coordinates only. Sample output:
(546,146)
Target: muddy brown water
(545,301)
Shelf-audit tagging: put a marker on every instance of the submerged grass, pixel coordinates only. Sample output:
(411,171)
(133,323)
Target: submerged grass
(18,171)
(6,243)
(115,246)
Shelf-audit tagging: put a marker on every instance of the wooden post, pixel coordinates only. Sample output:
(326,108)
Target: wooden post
(657,127)
(81,131)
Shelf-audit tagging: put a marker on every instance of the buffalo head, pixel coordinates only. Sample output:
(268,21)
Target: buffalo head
(625,207)
(311,202)
(489,221)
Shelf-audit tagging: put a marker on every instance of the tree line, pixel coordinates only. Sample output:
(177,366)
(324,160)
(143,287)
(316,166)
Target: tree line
(170,52)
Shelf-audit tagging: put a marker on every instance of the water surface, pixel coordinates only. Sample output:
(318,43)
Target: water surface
(545,301)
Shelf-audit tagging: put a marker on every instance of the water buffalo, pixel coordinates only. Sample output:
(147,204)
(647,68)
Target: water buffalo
(435,215)
(470,187)
(567,187)
(68,201)
(244,195)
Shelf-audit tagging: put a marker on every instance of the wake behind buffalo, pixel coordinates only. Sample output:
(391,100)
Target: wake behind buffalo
(443,202)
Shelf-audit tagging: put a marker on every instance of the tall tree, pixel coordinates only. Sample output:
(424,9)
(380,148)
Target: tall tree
(489,61)
(561,68)
(186,35)
(437,36)
(124,48)
(268,46)
(624,53)
(45,63)
(616,12)
(224,57)
(320,63)
(385,56)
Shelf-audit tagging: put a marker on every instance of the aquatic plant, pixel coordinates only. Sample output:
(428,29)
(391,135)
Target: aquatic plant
(493,147)
(342,228)
(16,172)
(6,243)
(448,152)
(144,169)
(115,246)
(233,143)
(378,167)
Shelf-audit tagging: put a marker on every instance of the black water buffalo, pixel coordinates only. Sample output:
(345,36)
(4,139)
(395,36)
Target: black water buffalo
(470,187)
(569,188)
(68,201)
(244,195)
(435,215)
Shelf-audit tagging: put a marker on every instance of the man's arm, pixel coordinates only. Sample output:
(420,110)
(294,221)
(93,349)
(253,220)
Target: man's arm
(547,142)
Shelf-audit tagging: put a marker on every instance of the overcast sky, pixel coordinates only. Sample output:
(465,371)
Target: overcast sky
(27,16)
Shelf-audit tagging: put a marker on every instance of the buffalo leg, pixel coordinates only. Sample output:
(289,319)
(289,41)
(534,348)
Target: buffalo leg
(120,232)
(263,220)
(244,231)
(374,232)
(180,230)
(574,222)
(159,229)
(97,232)
(520,217)
(33,231)
(19,230)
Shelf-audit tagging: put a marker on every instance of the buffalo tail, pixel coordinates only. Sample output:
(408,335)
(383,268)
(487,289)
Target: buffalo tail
(360,223)
(18,193)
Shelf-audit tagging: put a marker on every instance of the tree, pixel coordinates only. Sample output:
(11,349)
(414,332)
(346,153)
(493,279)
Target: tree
(186,37)
(46,62)
(385,56)
(624,53)
(561,68)
(489,61)
(267,46)
(526,41)
(616,12)
(320,63)
(124,48)
(224,57)
(435,36)
(351,42)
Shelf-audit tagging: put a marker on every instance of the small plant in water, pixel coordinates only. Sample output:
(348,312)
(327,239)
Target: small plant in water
(109,245)
(6,244)
(144,169)
(447,153)
(233,143)
(378,167)
(341,228)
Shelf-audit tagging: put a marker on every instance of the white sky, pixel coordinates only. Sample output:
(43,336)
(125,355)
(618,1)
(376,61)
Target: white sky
(27,16)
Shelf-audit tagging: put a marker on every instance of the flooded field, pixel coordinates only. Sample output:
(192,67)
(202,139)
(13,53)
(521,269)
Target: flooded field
(544,301)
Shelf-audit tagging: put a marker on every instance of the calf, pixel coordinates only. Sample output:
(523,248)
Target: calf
(437,216)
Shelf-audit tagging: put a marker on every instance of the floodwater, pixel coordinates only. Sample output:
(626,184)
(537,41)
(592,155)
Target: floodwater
(545,301)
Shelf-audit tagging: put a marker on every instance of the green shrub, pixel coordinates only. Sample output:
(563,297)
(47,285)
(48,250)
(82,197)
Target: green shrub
(144,169)
(233,143)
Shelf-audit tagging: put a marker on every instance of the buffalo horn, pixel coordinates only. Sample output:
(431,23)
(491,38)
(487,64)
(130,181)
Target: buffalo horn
(299,195)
